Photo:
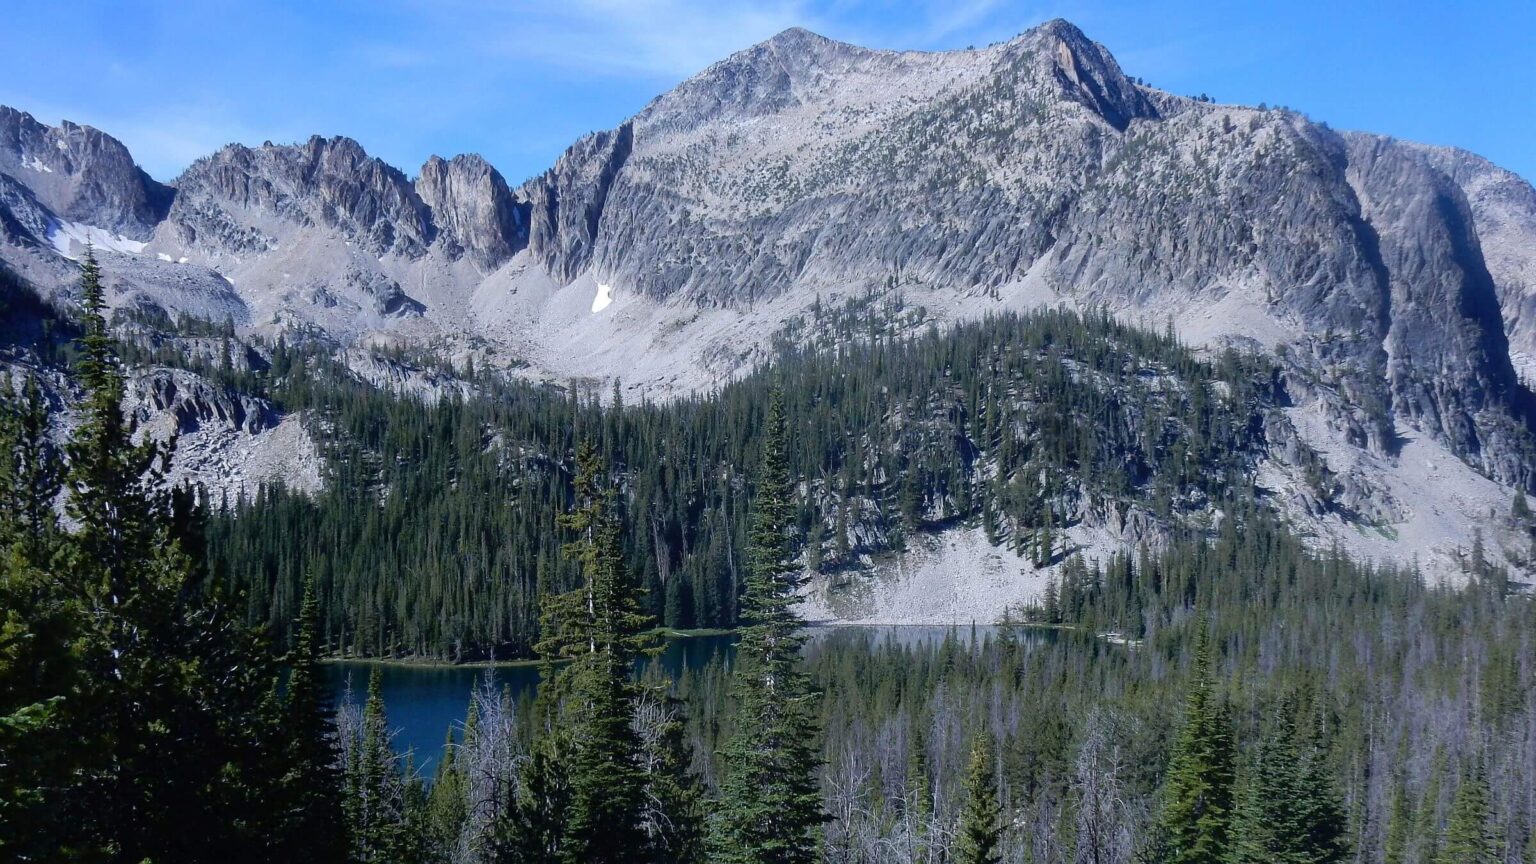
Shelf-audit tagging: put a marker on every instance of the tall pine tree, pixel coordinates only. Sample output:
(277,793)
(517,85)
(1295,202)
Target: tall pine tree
(313,829)
(1469,838)
(1196,826)
(599,627)
(770,805)
(174,713)
(40,630)
(31,473)
(447,804)
(980,831)
(376,794)
(1288,812)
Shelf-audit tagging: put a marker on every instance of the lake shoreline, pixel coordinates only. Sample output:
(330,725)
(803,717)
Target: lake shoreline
(520,663)
(677,635)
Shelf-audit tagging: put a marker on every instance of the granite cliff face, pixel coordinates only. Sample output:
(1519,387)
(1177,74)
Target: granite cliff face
(23,219)
(472,209)
(1449,370)
(223,199)
(805,166)
(81,174)
(1503,208)
(1396,282)
(568,203)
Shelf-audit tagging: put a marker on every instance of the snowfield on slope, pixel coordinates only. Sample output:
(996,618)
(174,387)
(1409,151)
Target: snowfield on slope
(603,299)
(71,238)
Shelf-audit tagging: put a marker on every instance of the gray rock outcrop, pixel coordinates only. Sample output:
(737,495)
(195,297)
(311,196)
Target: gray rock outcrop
(1398,278)
(81,174)
(473,209)
(223,200)
(804,165)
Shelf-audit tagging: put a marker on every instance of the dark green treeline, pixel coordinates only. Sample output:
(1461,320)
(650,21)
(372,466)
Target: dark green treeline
(435,534)
(1258,701)
(1281,706)
(140,720)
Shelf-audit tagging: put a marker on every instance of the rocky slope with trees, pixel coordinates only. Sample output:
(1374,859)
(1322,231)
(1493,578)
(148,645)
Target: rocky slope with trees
(697,239)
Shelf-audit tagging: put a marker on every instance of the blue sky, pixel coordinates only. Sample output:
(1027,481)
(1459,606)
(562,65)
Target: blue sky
(518,81)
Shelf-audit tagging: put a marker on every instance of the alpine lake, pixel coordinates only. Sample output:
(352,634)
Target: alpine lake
(425,700)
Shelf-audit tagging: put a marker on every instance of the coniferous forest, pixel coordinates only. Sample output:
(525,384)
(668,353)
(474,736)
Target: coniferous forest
(434,536)
(1227,696)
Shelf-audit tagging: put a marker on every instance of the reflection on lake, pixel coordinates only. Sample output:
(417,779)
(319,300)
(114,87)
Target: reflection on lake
(424,701)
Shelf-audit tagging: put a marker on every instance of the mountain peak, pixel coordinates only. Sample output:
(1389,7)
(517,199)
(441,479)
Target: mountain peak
(1089,74)
(795,36)
(797,47)
(472,208)
(1061,28)
(81,174)
(321,181)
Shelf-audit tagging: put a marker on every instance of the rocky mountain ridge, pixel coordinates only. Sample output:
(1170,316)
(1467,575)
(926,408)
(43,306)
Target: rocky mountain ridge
(1394,280)
(81,174)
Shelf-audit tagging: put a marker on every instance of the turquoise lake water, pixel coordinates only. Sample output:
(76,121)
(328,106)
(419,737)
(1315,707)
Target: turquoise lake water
(423,701)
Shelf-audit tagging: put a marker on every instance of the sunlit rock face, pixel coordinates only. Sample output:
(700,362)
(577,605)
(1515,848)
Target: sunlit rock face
(1393,278)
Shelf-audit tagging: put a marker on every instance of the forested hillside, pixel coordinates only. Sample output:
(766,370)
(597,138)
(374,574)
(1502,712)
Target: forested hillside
(1367,717)
(1215,425)
(1228,697)
(1279,705)
(432,536)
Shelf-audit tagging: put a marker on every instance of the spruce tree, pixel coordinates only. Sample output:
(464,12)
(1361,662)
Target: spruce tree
(447,808)
(770,804)
(1469,838)
(40,628)
(313,829)
(1268,825)
(1428,817)
(376,797)
(174,716)
(532,828)
(599,627)
(1399,827)
(980,831)
(1198,792)
(1288,810)
(114,487)
(1324,824)
(130,589)
(31,473)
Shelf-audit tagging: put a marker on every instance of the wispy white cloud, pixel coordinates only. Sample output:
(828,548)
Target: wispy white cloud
(941,22)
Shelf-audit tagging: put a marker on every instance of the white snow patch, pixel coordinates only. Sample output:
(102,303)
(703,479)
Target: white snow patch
(36,164)
(603,299)
(71,237)
(164,257)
